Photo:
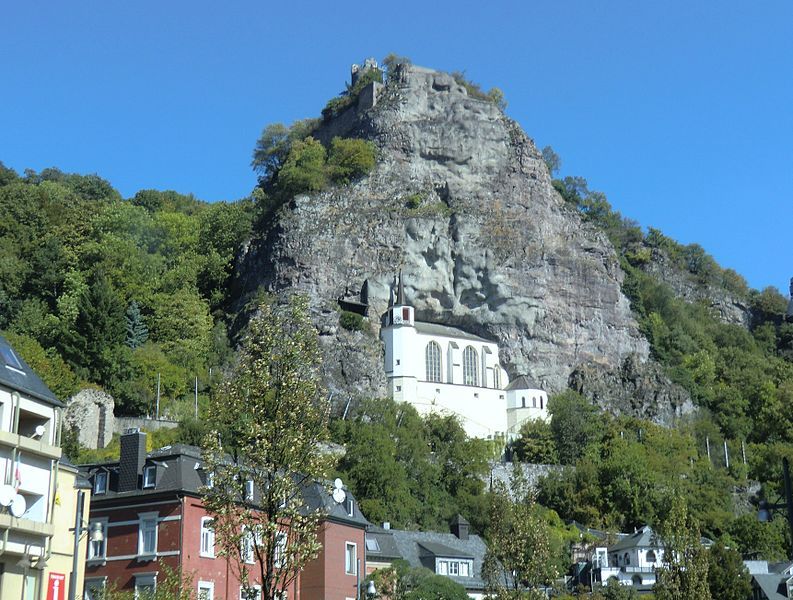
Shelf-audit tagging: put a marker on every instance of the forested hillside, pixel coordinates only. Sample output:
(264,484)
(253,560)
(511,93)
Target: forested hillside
(100,290)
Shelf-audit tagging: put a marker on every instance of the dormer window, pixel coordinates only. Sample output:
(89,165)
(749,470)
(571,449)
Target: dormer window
(100,482)
(149,476)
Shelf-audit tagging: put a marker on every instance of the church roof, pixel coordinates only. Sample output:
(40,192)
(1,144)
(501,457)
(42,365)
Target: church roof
(446,331)
(522,383)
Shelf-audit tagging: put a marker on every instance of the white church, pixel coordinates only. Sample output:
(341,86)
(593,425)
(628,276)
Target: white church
(443,369)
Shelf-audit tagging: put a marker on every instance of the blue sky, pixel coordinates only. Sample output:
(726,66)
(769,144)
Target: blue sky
(681,112)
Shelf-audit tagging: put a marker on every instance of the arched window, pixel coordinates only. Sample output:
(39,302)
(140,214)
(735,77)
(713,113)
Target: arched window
(637,579)
(432,355)
(534,402)
(470,366)
(627,559)
(523,401)
(650,556)
(497,377)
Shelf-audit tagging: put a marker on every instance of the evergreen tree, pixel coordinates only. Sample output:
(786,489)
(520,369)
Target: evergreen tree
(728,578)
(137,332)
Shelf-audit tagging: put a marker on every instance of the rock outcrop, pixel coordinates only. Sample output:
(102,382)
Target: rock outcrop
(633,389)
(462,202)
(90,413)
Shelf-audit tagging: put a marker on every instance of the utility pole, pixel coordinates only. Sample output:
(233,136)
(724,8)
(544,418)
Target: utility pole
(157,412)
(196,397)
(726,454)
(707,446)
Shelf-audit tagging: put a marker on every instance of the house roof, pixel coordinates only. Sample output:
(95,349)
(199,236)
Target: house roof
(17,374)
(421,548)
(523,383)
(446,331)
(385,547)
(644,537)
(773,586)
(180,471)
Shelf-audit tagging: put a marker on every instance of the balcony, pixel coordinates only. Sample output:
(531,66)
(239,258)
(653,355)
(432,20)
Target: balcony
(26,526)
(29,444)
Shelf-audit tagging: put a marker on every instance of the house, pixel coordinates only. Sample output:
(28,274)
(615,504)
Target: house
(633,560)
(457,555)
(770,581)
(39,492)
(150,509)
(438,368)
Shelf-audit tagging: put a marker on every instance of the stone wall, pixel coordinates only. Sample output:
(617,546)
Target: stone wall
(90,413)
(124,423)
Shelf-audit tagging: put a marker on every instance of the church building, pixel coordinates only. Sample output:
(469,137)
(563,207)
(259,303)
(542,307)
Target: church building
(438,368)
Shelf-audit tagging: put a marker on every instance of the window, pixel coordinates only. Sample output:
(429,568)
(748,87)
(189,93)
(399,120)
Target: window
(206,590)
(246,547)
(249,490)
(497,377)
(97,549)
(100,482)
(454,568)
(149,476)
(464,569)
(443,567)
(250,592)
(534,402)
(350,558)
(650,556)
(432,355)
(207,538)
(470,366)
(350,507)
(627,559)
(372,545)
(147,535)
(210,480)
(145,586)
(94,588)
(280,548)
(10,358)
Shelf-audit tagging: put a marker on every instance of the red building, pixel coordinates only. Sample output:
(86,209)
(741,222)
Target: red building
(151,514)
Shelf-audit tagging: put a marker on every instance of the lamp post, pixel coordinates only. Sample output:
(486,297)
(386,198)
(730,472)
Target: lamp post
(95,535)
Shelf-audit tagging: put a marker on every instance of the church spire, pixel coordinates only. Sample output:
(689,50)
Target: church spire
(401,291)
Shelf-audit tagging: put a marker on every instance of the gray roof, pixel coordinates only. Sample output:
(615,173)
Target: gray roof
(420,548)
(773,586)
(644,537)
(522,383)
(17,374)
(179,470)
(387,548)
(446,331)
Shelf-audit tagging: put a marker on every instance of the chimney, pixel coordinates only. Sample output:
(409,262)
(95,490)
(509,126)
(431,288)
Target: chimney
(133,457)
(386,525)
(460,527)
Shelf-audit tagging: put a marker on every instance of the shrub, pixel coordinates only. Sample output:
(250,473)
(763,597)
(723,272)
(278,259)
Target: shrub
(413,201)
(351,321)
(349,159)
(304,168)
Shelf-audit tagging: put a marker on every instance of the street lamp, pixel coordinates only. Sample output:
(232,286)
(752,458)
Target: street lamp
(371,592)
(95,534)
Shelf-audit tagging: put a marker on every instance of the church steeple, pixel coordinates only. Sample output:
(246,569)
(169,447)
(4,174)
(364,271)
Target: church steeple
(399,311)
(401,291)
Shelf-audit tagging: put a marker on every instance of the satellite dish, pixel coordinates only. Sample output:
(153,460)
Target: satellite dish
(40,430)
(18,506)
(338,491)
(6,494)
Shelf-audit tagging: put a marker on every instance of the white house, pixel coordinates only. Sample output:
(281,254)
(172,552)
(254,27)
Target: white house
(438,368)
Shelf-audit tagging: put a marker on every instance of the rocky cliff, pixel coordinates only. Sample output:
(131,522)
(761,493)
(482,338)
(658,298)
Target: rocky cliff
(462,202)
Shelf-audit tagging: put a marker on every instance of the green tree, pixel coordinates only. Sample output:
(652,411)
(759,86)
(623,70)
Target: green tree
(137,332)
(267,418)
(535,443)
(728,578)
(576,425)
(552,160)
(350,158)
(304,168)
(519,560)
(684,574)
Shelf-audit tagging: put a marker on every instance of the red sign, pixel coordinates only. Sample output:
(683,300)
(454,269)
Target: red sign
(56,589)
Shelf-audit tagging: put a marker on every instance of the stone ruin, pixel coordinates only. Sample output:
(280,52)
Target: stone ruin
(90,413)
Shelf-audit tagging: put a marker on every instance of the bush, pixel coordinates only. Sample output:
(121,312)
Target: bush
(413,201)
(304,168)
(349,159)
(351,321)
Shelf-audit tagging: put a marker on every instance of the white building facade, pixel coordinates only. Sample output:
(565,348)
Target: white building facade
(443,369)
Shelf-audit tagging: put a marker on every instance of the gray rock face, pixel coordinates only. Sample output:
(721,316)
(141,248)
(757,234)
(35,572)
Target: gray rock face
(491,248)
(632,389)
(90,413)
